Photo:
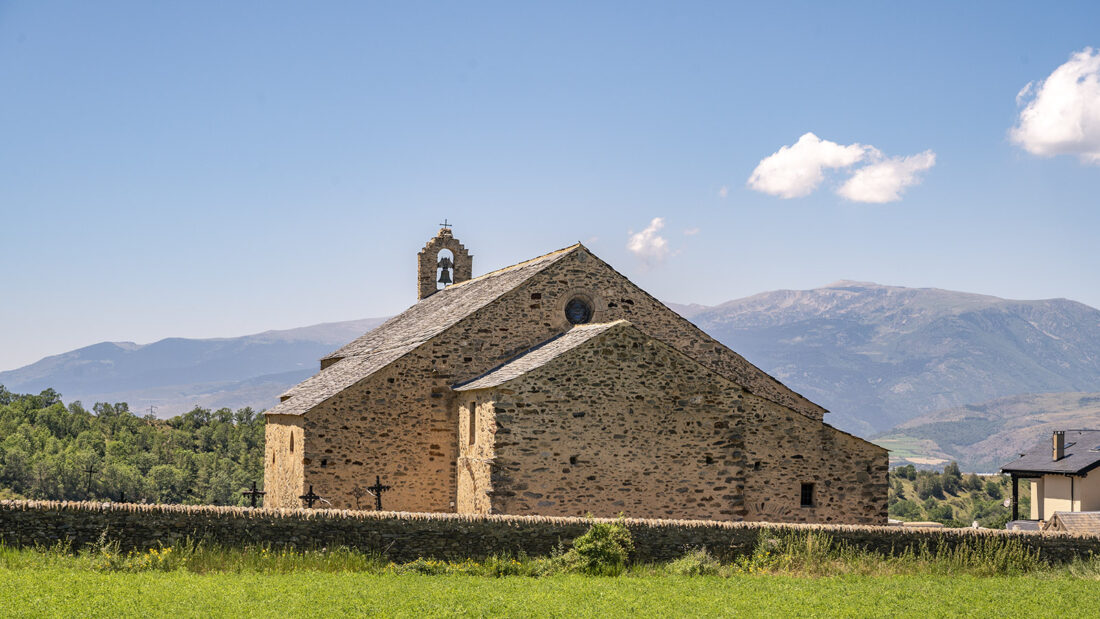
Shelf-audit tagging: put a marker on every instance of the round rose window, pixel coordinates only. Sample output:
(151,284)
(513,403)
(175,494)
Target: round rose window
(578,311)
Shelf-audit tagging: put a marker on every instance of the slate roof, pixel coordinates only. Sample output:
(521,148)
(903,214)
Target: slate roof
(540,355)
(409,329)
(1082,455)
(1077,523)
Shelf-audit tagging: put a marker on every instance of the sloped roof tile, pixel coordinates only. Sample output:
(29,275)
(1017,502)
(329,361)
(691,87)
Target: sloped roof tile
(408,330)
(540,355)
(1082,454)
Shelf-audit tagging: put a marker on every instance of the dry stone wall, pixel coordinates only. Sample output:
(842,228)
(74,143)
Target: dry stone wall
(405,537)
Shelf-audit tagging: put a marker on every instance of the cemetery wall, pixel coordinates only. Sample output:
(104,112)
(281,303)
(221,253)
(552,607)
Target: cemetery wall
(404,536)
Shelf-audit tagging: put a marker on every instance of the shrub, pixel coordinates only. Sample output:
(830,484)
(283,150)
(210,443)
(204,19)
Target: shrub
(941,513)
(603,549)
(993,489)
(929,486)
(905,510)
(698,562)
(973,482)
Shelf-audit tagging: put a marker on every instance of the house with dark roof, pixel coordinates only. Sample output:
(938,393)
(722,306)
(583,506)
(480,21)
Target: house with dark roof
(558,387)
(1063,474)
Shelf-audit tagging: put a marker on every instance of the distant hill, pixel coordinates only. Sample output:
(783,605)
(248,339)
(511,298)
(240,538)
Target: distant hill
(878,356)
(175,374)
(982,437)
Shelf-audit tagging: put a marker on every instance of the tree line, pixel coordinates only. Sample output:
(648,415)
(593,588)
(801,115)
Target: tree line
(52,451)
(950,497)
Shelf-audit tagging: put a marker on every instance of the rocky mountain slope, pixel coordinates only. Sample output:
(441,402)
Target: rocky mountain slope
(982,437)
(877,356)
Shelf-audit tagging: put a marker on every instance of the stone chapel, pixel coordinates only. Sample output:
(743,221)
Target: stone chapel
(557,387)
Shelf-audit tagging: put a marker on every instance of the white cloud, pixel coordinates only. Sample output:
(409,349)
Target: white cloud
(691,231)
(884,180)
(724,191)
(1062,115)
(795,171)
(648,245)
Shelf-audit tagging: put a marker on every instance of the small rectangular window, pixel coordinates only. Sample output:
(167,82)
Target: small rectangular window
(807,495)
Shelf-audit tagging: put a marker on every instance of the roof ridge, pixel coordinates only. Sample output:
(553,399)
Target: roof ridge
(512,266)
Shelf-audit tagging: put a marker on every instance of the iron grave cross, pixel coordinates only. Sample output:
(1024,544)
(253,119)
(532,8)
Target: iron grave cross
(376,491)
(253,493)
(310,498)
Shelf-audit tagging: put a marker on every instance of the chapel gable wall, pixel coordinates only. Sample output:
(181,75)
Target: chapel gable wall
(622,424)
(615,297)
(785,450)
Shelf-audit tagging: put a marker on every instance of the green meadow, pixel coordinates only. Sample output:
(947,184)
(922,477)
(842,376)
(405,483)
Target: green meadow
(807,574)
(60,592)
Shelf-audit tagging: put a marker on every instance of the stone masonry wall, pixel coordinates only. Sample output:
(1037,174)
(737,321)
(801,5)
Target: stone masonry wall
(282,467)
(783,450)
(402,422)
(405,537)
(476,455)
(626,424)
(623,424)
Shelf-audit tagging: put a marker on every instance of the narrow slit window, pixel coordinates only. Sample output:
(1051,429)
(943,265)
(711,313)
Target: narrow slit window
(807,495)
(291,443)
(473,425)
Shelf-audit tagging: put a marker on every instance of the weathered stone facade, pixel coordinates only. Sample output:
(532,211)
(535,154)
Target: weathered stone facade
(623,423)
(386,405)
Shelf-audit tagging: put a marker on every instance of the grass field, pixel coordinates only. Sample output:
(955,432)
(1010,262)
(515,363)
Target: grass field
(804,575)
(58,592)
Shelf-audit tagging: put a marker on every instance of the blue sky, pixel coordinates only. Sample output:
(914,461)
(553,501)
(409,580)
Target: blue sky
(214,169)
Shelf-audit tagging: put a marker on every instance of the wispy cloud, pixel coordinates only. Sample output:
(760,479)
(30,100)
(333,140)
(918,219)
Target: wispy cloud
(885,180)
(724,191)
(1062,113)
(691,231)
(797,170)
(648,245)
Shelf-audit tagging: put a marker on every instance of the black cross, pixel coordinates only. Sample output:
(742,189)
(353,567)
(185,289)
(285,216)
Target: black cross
(445,224)
(310,498)
(89,471)
(376,491)
(253,493)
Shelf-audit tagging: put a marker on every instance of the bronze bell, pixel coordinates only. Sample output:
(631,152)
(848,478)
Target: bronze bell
(445,276)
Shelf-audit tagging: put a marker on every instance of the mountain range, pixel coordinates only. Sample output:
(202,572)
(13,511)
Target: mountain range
(174,375)
(877,356)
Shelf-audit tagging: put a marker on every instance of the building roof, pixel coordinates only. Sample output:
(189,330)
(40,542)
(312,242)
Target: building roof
(540,355)
(1078,523)
(408,330)
(1082,455)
